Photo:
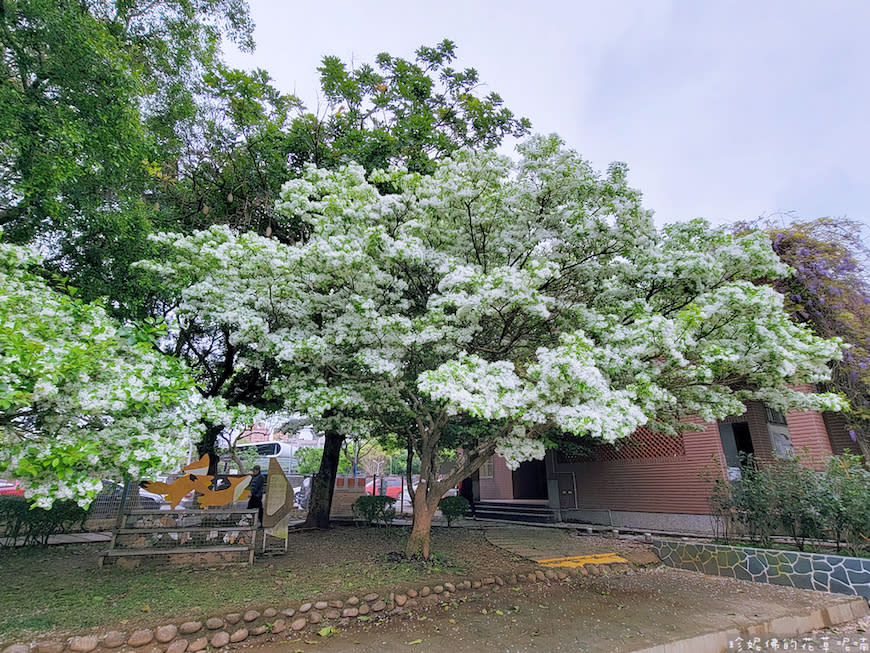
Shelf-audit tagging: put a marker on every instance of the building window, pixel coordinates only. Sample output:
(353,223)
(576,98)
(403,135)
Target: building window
(487,470)
(777,429)
(774,416)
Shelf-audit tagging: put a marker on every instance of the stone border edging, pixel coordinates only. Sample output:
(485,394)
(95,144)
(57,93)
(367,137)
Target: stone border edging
(218,632)
(813,571)
(723,639)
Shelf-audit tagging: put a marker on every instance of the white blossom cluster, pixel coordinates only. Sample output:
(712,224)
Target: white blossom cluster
(78,402)
(535,293)
(516,448)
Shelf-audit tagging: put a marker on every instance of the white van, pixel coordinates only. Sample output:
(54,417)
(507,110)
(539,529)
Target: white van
(281,451)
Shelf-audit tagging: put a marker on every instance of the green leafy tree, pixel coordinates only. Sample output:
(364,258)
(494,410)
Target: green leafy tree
(402,111)
(309,461)
(795,492)
(844,501)
(91,93)
(107,109)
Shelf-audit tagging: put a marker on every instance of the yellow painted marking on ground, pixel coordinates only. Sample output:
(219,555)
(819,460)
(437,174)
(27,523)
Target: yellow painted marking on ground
(579,561)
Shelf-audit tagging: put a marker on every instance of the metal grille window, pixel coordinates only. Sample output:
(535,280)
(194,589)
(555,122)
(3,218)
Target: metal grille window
(774,416)
(643,443)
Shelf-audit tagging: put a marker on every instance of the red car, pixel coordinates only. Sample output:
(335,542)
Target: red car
(10,488)
(390,486)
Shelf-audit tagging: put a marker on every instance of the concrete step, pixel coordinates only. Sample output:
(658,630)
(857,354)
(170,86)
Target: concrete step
(534,513)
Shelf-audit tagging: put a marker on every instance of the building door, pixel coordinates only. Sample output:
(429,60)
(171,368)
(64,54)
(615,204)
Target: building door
(567,491)
(736,445)
(530,480)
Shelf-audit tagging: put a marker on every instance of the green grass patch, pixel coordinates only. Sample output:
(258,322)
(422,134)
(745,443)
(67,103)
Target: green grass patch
(61,589)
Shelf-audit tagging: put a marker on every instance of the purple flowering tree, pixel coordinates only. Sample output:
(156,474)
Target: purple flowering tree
(830,291)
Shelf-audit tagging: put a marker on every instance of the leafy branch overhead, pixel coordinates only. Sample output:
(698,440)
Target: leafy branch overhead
(82,398)
(411,111)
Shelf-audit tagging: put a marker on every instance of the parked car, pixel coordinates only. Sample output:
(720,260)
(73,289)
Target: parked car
(109,499)
(10,488)
(302,494)
(393,486)
(390,486)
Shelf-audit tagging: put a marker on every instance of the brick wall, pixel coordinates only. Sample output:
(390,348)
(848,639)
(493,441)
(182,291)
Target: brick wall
(809,437)
(347,489)
(671,484)
(501,485)
(662,484)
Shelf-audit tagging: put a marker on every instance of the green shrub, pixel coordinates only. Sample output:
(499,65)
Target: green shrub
(795,505)
(453,507)
(35,525)
(785,497)
(725,522)
(374,509)
(845,502)
(752,497)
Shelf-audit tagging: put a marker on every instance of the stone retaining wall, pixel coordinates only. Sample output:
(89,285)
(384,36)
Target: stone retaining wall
(812,571)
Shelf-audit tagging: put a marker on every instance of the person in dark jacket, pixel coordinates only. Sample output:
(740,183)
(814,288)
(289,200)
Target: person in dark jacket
(256,488)
(466,489)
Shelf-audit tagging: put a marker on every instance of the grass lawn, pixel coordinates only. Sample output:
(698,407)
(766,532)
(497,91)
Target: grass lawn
(60,589)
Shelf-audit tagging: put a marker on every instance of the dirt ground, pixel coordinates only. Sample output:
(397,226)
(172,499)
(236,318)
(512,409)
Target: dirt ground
(612,614)
(60,591)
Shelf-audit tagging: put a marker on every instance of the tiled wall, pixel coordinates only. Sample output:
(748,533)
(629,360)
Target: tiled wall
(812,571)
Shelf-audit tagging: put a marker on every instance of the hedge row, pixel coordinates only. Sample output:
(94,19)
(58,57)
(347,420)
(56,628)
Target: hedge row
(787,498)
(18,522)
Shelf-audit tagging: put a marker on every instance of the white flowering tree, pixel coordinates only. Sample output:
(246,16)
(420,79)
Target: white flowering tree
(80,398)
(494,302)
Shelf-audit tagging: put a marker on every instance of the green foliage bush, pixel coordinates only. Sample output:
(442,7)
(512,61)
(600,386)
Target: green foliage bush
(35,525)
(453,507)
(309,461)
(845,501)
(795,490)
(786,497)
(373,509)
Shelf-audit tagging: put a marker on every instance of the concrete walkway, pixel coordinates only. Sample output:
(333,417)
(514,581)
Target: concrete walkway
(550,545)
(711,614)
(70,538)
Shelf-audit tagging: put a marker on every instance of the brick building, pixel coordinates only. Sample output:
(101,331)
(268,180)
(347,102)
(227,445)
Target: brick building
(659,482)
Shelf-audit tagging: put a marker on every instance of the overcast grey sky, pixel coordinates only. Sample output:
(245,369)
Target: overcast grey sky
(724,110)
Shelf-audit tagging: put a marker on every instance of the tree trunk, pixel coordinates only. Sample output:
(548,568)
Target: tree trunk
(863,447)
(208,445)
(323,483)
(424,511)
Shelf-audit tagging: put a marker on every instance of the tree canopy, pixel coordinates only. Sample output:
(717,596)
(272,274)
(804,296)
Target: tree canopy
(119,119)
(829,291)
(254,137)
(92,94)
(309,461)
(81,398)
(494,301)
(402,111)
